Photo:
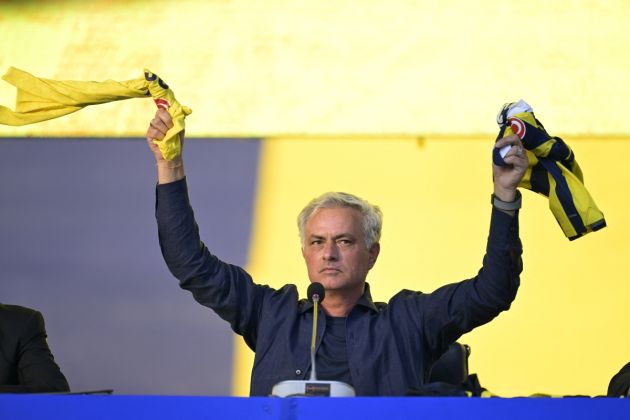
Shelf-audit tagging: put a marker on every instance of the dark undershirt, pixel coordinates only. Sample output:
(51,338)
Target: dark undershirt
(332,357)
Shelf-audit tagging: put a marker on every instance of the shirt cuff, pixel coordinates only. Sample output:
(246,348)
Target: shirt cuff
(503,229)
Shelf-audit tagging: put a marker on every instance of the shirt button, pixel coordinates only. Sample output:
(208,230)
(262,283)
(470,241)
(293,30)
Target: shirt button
(298,372)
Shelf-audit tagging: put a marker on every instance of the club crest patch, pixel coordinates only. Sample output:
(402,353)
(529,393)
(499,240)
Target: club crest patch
(518,126)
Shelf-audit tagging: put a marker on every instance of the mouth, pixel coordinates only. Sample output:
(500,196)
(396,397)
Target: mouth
(330,270)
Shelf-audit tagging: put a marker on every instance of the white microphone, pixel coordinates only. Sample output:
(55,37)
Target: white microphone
(313,387)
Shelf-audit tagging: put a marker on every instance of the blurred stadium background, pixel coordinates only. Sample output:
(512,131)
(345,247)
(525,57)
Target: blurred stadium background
(392,100)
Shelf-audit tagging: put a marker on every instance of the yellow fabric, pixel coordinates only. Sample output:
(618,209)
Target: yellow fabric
(40,99)
(545,149)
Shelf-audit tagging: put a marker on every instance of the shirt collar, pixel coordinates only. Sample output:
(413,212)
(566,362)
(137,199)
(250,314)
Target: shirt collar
(365,300)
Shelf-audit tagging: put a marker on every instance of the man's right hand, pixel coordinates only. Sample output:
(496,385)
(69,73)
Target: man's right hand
(168,170)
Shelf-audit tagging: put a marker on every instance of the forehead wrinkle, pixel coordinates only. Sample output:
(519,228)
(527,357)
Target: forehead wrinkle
(343,221)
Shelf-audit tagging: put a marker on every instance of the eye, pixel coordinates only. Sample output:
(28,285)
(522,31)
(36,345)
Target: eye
(344,242)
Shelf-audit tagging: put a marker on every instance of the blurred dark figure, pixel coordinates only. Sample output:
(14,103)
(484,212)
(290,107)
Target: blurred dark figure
(620,383)
(26,363)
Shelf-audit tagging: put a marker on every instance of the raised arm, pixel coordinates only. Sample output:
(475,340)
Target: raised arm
(457,308)
(223,287)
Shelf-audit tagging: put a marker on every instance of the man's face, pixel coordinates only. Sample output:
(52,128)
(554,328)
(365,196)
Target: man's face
(334,249)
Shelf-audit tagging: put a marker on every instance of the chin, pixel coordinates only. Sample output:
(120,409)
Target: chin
(334,284)
(326,282)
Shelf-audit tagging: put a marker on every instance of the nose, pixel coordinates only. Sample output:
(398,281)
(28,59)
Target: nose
(331,252)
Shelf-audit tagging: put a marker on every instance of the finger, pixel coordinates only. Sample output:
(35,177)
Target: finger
(510,146)
(510,140)
(157,129)
(164,117)
(516,150)
(517,156)
(154,134)
(159,125)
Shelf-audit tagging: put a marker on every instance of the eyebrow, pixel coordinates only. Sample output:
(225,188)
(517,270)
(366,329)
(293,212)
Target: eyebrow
(336,237)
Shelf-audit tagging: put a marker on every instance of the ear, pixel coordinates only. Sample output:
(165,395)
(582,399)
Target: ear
(374,250)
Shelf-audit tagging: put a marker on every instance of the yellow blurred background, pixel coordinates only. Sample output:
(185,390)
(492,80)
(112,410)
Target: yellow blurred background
(394,101)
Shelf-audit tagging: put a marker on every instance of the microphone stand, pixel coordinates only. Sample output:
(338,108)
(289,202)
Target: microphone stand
(314,336)
(313,387)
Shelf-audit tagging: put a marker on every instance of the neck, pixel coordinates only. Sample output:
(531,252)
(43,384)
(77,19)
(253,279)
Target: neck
(339,303)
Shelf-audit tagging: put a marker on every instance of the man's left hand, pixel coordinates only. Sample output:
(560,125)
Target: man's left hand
(507,178)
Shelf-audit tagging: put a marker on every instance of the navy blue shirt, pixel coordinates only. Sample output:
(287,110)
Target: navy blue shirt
(331,359)
(390,346)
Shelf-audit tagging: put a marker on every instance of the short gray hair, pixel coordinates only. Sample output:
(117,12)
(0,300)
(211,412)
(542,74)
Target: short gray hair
(372,217)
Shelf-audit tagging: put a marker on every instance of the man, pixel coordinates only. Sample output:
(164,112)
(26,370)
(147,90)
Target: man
(378,348)
(26,363)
